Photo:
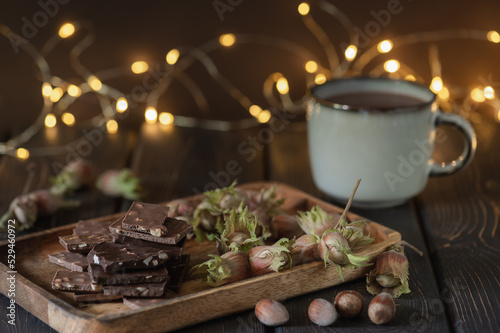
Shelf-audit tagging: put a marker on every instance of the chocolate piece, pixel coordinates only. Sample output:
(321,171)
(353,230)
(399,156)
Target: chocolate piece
(146,218)
(177,230)
(95,298)
(136,290)
(138,303)
(113,257)
(74,281)
(82,243)
(173,251)
(154,275)
(70,260)
(177,274)
(93,227)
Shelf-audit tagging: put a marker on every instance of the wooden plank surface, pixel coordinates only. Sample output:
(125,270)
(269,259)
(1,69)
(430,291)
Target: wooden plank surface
(416,311)
(460,215)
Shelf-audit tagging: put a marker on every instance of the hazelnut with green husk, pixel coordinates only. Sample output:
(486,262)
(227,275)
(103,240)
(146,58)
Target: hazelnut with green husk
(227,268)
(208,217)
(266,259)
(337,244)
(391,274)
(239,232)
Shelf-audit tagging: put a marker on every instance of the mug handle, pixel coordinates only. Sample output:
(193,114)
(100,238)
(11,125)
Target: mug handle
(470,140)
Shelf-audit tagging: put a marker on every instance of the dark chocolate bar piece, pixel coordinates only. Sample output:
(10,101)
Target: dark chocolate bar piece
(82,243)
(177,273)
(74,281)
(173,251)
(114,257)
(93,227)
(70,260)
(136,290)
(155,275)
(177,230)
(95,298)
(146,218)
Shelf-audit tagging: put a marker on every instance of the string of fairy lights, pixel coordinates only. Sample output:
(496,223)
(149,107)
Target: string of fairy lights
(59,94)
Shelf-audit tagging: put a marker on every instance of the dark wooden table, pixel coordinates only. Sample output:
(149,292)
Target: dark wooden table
(455,285)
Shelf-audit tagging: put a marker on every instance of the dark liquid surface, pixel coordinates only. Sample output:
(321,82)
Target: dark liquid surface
(375,100)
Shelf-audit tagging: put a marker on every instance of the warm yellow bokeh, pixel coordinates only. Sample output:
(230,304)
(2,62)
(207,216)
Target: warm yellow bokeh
(166,118)
(112,126)
(436,84)
(384,46)
(68,119)
(320,78)
(74,91)
(255,110)
(172,56)
(264,116)
(304,8)
(46,89)
(66,30)
(311,66)
(282,85)
(227,40)
(391,66)
(121,104)
(139,67)
(22,153)
(94,83)
(150,115)
(351,52)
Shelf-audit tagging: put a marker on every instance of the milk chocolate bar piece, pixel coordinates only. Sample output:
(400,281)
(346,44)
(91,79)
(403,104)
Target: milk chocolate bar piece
(93,227)
(173,251)
(136,290)
(82,243)
(95,298)
(177,230)
(114,257)
(146,218)
(155,275)
(177,273)
(70,260)
(74,281)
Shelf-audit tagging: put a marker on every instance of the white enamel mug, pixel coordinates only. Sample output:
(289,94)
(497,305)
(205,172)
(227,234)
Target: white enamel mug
(389,147)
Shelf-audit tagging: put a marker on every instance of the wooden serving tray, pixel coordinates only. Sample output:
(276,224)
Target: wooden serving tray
(196,302)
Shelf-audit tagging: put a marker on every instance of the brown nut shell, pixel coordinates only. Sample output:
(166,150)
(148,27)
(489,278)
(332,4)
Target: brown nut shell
(271,312)
(349,303)
(322,313)
(382,309)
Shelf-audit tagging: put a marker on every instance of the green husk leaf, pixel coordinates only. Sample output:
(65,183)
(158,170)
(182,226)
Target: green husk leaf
(315,221)
(353,233)
(279,254)
(242,224)
(269,201)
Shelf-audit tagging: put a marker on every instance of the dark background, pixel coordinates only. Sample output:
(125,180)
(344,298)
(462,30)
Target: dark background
(145,30)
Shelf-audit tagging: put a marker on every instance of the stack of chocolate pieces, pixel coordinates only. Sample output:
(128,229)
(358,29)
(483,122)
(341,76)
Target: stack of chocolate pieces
(138,256)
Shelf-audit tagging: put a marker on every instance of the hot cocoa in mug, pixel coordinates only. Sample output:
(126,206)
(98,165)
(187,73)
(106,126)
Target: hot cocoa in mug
(382,131)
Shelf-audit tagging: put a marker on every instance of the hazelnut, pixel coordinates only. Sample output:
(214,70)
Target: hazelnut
(382,309)
(271,312)
(349,303)
(322,313)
